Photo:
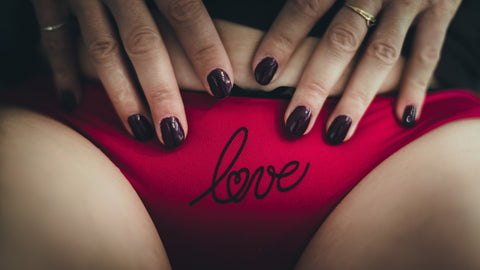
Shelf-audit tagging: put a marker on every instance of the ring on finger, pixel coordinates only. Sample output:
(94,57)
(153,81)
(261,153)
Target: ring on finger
(51,28)
(369,18)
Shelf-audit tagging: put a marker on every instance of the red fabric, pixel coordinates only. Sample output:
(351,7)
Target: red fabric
(267,230)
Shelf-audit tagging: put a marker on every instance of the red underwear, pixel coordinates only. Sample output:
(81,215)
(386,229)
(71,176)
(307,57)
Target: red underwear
(239,193)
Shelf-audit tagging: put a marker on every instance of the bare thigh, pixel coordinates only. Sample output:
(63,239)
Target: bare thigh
(65,205)
(419,209)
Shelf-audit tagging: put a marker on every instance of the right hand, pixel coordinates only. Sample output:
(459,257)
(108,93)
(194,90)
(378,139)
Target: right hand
(140,43)
(241,43)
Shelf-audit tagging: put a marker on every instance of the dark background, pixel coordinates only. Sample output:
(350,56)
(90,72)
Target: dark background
(20,54)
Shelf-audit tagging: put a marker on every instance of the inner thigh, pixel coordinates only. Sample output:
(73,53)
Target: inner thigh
(419,209)
(65,205)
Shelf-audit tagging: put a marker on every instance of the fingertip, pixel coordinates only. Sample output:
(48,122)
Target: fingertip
(69,98)
(69,88)
(409,106)
(409,116)
(220,83)
(298,121)
(265,70)
(140,127)
(337,131)
(171,133)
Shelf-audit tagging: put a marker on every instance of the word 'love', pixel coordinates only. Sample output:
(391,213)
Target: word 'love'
(243,180)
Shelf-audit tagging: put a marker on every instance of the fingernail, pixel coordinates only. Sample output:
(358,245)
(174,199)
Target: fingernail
(338,129)
(265,70)
(68,101)
(409,116)
(141,127)
(298,120)
(219,83)
(172,132)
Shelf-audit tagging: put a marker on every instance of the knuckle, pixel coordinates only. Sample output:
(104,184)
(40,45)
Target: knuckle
(360,98)
(102,49)
(316,88)
(182,11)
(384,51)
(429,55)
(161,94)
(445,9)
(410,3)
(122,98)
(284,43)
(142,41)
(341,38)
(204,53)
(64,75)
(417,84)
(310,8)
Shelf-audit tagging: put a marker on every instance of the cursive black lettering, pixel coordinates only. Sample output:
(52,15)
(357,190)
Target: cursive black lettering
(242,180)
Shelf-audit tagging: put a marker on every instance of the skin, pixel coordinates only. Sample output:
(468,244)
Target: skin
(416,210)
(345,38)
(47,211)
(72,208)
(240,42)
(375,226)
(329,67)
(139,42)
(143,43)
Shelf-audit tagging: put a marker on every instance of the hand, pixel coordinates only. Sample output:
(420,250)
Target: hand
(140,43)
(342,40)
(240,43)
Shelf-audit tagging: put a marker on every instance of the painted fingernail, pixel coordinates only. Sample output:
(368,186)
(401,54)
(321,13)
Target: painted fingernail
(141,127)
(68,101)
(298,120)
(219,83)
(338,129)
(409,116)
(172,132)
(265,70)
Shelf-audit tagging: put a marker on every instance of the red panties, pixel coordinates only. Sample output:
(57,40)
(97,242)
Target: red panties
(239,193)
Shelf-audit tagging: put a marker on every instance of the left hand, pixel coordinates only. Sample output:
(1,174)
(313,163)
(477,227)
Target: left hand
(240,43)
(342,41)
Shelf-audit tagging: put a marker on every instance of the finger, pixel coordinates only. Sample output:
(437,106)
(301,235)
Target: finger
(239,41)
(150,59)
(429,37)
(290,27)
(201,42)
(112,70)
(382,51)
(329,62)
(56,37)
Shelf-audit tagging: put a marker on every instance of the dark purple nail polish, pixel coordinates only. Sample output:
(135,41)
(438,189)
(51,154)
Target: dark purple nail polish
(338,129)
(298,120)
(172,132)
(141,128)
(409,116)
(219,83)
(265,70)
(68,101)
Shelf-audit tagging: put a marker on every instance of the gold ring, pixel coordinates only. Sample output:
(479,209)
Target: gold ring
(369,18)
(50,28)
